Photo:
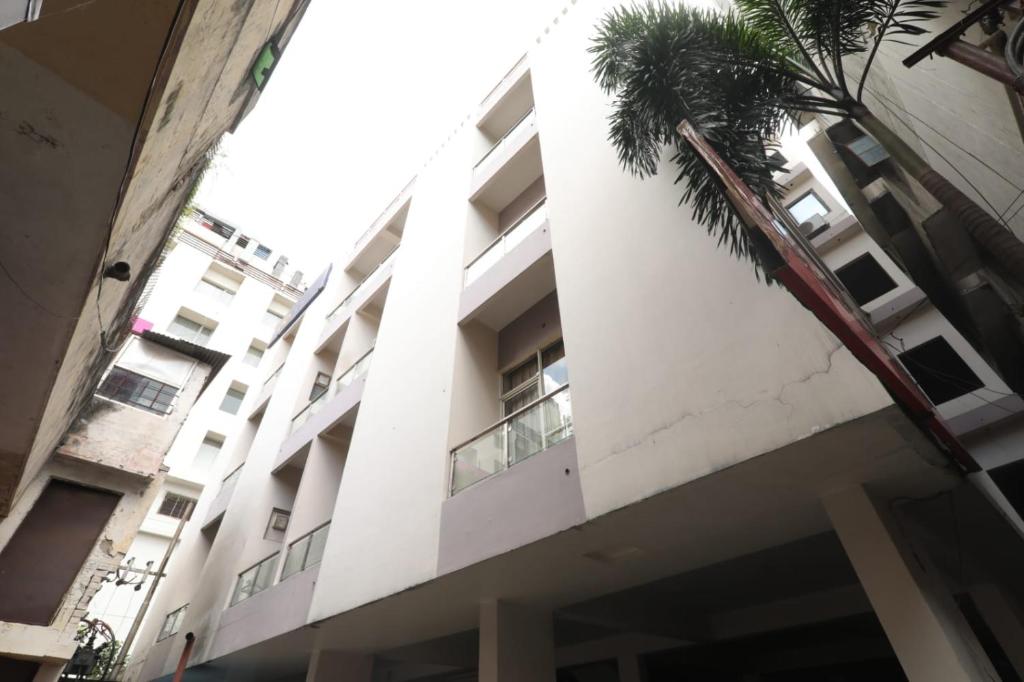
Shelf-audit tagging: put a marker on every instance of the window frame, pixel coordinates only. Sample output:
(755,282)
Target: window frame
(241,400)
(200,337)
(262,252)
(259,360)
(534,382)
(118,379)
(817,197)
(174,617)
(184,499)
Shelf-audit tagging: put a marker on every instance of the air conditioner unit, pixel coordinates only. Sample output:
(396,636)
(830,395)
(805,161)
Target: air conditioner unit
(813,226)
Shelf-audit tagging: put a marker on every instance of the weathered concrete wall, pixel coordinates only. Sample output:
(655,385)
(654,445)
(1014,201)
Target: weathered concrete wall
(128,438)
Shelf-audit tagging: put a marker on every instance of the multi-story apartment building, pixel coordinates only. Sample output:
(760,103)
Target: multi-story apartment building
(225,291)
(534,425)
(79,514)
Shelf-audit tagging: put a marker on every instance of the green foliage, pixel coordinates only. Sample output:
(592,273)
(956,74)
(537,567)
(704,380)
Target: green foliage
(739,78)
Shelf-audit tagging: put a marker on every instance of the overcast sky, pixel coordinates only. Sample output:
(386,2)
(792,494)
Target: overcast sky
(364,93)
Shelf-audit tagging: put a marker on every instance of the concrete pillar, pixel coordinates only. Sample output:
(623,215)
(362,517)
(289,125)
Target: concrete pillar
(48,672)
(629,668)
(930,638)
(339,666)
(1003,621)
(516,644)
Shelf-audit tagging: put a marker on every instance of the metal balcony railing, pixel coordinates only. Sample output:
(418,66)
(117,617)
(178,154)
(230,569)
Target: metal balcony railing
(343,307)
(232,478)
(305,552)
(273,376)
(506,241)
(358,369)
(505,139)
(531,429)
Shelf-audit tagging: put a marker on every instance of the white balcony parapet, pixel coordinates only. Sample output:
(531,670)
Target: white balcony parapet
(507,241)
(384,217)
(344,307)
(507,138)
(529,430)
(358,369)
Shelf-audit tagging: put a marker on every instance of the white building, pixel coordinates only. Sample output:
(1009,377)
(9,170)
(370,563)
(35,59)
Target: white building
(537,426)
(221,289)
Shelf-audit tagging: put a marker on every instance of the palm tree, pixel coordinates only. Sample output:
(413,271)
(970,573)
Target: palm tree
(740,77)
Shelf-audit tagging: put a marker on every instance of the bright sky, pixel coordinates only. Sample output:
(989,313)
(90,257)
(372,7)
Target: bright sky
(364,93)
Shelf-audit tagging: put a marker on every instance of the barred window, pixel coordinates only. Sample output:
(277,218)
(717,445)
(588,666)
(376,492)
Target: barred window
(176,505)
(134,389)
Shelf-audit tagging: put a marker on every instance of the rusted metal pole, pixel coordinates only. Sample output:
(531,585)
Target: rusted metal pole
(982,61)
(160,572)
(190,639)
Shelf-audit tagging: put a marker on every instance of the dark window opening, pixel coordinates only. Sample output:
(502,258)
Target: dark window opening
(243,241)
(135,389)
(176,506)
(939,371)
(222,230)
(320,385)
(1010,480)
(42,559)
(865,279)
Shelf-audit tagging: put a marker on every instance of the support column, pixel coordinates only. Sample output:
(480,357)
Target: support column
(516,644)
(339,666)
(931,640)
(49,672)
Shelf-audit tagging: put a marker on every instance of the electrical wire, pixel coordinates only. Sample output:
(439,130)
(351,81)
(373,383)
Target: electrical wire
(952,142)
(943,157)
(123,185)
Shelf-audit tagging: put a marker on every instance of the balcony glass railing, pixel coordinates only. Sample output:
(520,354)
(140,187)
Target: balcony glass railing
(508,240)
(522,434)
(506,138)
(305,552)
(358,369)
(273,376)
(342,308)
(232,478)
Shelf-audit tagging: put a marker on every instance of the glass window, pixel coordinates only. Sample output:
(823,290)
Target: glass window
(806,207)
(232,400)
(215,292)
(262,252)
(243,241)
(253,355)
(272,319)
(172,622)
(208,451)
(134,389)
(320,385)
(176,506)
(190,331)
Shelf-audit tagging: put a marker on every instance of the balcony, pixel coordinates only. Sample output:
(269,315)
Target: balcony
(223,498)
(511,274)
(305,552)
(384,235)
(509,166)
(335,406)
(529,430)
(507,101)
(266,391)
(368,296)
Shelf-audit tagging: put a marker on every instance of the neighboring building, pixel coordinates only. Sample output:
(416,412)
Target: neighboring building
(102,138)
(214,289)
(537,426)
(77,517)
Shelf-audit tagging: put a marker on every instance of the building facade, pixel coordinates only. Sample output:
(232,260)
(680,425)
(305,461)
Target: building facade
(536,426)
(78,516)
(218,288)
